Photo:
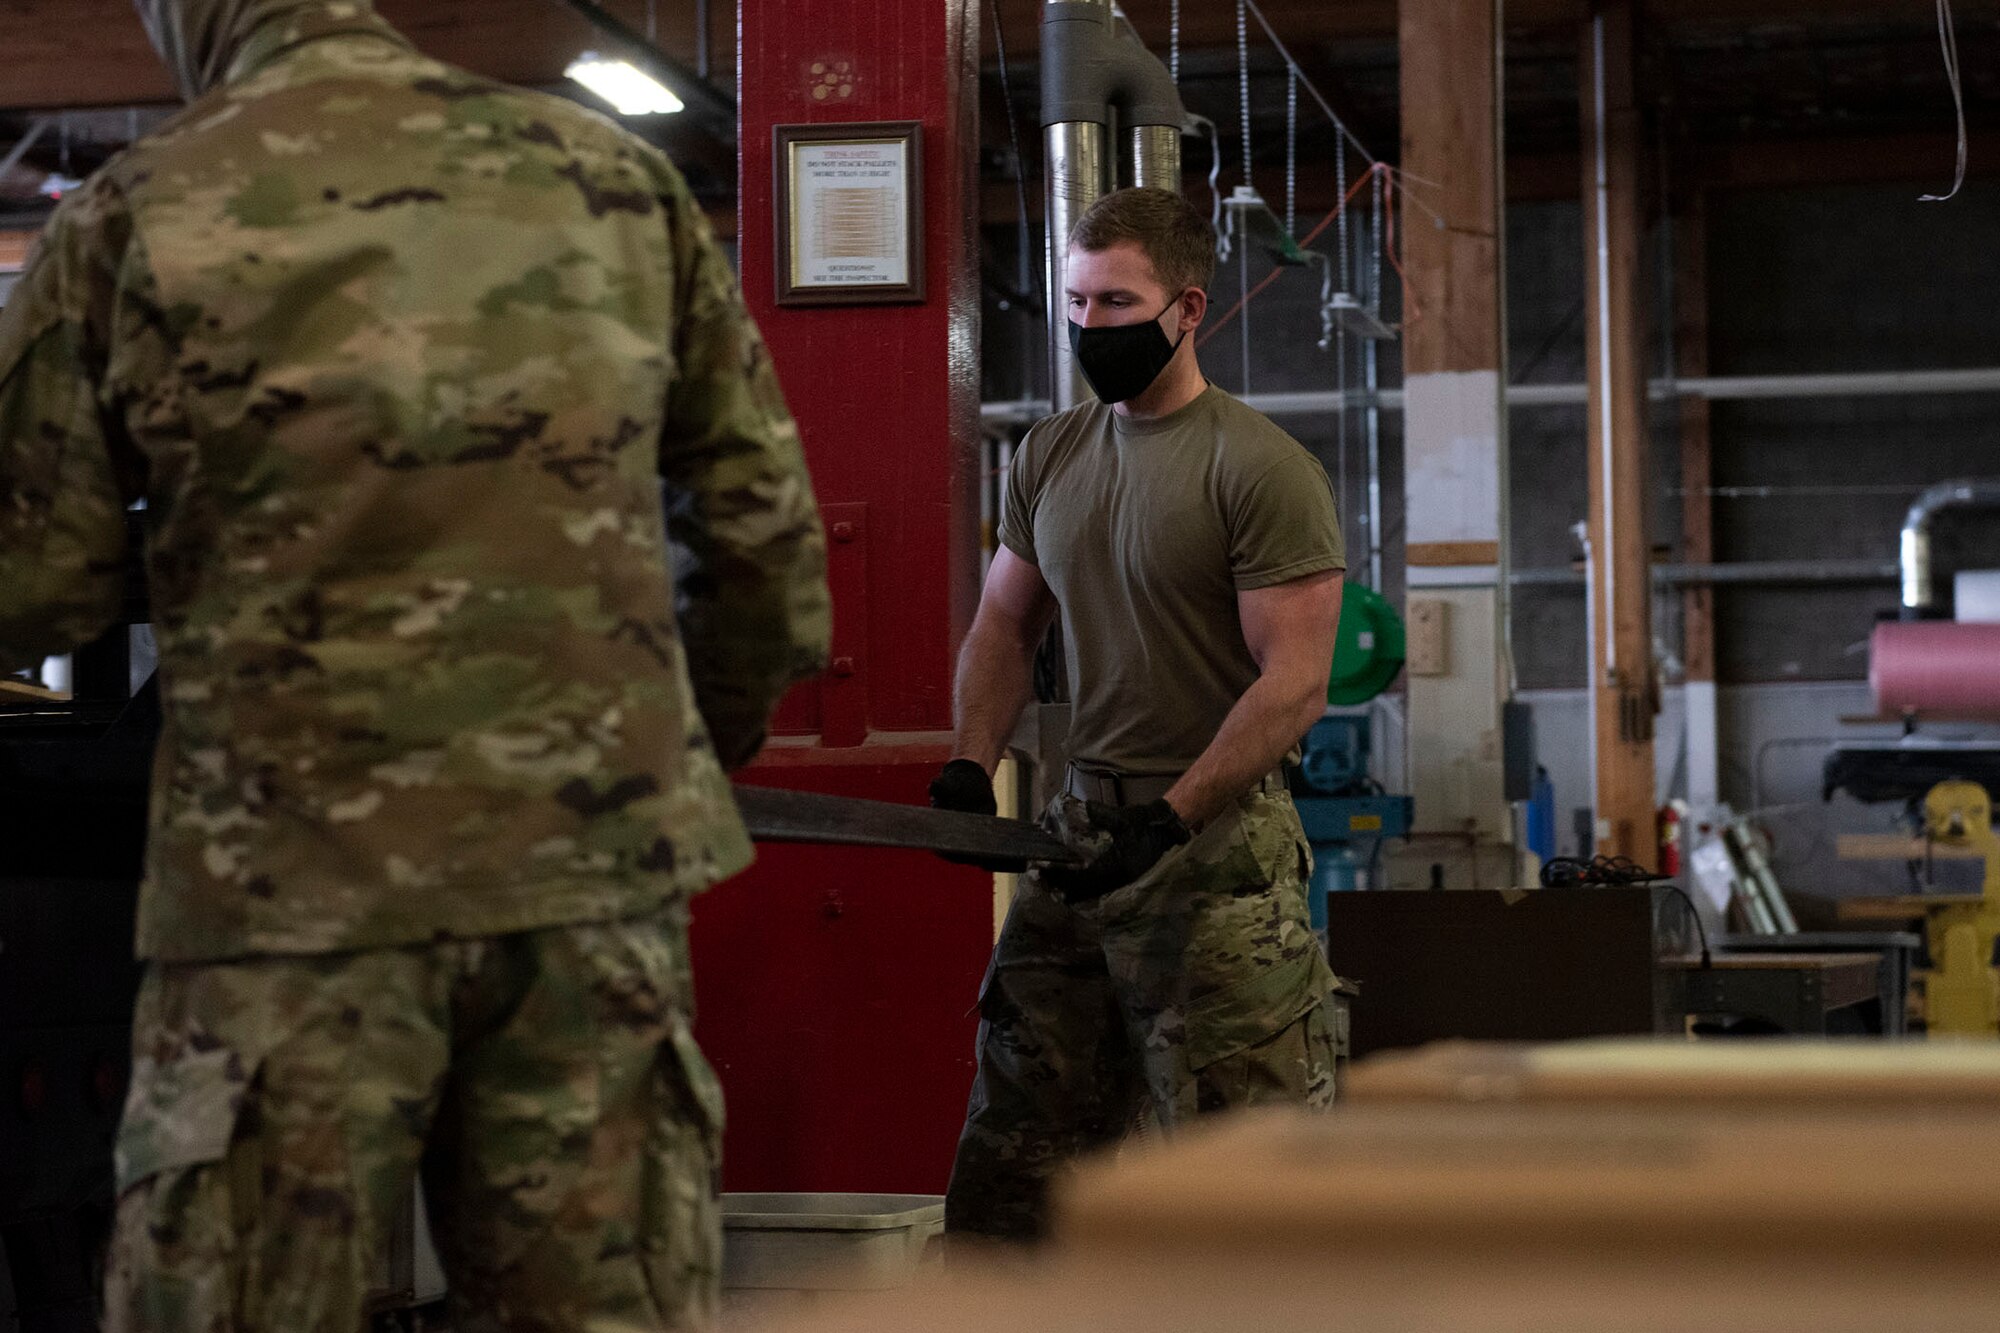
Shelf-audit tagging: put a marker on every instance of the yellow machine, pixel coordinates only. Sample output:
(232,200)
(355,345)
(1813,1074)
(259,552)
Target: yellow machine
(1962,996)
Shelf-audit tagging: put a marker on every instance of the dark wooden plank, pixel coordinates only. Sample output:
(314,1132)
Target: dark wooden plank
(1843,978)
(83,53)
(1903,907)
(1498,965)
(1851,985)
(1444,554)
(774,814)
(1828,964)
(1691,360)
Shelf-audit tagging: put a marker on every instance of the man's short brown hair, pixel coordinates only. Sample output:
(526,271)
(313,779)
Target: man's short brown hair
(1176,238)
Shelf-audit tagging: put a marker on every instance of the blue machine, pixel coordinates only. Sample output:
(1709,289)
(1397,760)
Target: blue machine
(1542,816)
(1347,815)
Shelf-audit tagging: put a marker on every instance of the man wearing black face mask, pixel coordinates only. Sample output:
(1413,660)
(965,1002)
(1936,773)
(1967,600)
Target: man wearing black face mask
(1193,552)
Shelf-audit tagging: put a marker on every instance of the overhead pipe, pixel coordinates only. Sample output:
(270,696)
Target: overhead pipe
(1156,157)
(1075,152)
(1920,600)
(1094,75)
(1722,388)
(1741,572)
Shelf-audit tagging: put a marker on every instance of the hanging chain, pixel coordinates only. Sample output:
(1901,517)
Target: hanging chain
(1340,193)
(653,21)
(1214,135)
(1243,82)
(1375,242)
(1291,151)
(1174,42)
(1342,428)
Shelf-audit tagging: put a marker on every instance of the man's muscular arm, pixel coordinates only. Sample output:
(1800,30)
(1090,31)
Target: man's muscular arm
(1290,632)
(996,665)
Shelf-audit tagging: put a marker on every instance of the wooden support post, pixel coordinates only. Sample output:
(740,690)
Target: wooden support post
(1451,141)
(1454,362)
(1690,233)
(1623,684)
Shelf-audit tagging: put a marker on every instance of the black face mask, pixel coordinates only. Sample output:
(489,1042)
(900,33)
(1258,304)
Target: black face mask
(1122,361)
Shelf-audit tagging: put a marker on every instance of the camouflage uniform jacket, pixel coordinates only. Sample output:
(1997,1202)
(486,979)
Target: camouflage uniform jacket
(401,363)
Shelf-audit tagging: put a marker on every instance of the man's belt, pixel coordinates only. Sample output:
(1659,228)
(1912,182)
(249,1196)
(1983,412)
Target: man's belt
(1103,785)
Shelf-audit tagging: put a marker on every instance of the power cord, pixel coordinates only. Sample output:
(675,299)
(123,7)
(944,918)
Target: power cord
(1572,872)
(1707,960)
(1948,38)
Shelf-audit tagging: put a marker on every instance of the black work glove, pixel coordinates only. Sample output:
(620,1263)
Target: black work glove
(1133,838)
(963,785)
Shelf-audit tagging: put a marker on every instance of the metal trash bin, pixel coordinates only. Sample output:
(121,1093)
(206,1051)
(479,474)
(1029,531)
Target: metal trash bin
(801,1243)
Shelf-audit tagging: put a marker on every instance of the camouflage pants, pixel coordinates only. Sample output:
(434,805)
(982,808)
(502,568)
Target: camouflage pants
(545,1084)
(1199,987)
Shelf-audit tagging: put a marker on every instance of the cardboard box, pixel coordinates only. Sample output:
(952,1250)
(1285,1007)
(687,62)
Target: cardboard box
(1633,1186)
(1559,1186)
(1667,1072)
(1329,1292)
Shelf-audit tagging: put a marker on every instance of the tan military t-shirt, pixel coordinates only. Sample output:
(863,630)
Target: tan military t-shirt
(1146,531)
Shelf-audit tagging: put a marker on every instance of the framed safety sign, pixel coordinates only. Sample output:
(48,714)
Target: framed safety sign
(849,203)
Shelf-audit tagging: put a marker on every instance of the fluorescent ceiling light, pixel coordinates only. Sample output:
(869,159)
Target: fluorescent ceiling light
(627,87)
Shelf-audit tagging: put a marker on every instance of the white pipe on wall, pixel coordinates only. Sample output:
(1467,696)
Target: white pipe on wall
(1721,388)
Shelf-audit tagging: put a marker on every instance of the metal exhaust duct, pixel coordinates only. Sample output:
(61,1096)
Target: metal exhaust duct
(1094,75)
(1919,583)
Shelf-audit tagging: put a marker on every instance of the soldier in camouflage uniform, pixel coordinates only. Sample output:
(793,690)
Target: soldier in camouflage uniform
(401,363)
(1192,550)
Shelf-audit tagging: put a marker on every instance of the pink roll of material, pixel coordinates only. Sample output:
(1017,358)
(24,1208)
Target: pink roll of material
(1939,667)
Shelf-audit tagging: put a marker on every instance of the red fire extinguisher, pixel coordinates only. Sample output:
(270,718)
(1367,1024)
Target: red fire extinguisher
(1670,839)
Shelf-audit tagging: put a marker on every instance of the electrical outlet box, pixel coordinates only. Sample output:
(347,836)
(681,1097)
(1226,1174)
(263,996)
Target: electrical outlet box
(1428,650)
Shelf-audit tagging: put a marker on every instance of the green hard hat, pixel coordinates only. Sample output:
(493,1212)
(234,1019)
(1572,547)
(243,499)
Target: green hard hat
(1368,651)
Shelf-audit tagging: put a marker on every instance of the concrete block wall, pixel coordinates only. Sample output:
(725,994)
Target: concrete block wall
(1837,279)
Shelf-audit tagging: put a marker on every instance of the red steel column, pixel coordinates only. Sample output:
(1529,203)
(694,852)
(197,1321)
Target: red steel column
(836,987)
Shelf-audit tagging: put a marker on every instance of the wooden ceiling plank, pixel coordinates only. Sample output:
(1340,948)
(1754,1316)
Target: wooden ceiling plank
(72,54)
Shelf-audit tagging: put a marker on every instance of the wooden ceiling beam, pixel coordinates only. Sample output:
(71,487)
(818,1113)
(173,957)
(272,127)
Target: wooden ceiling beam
(92,53)
(1864,160)
(1301,22)
(72,54)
